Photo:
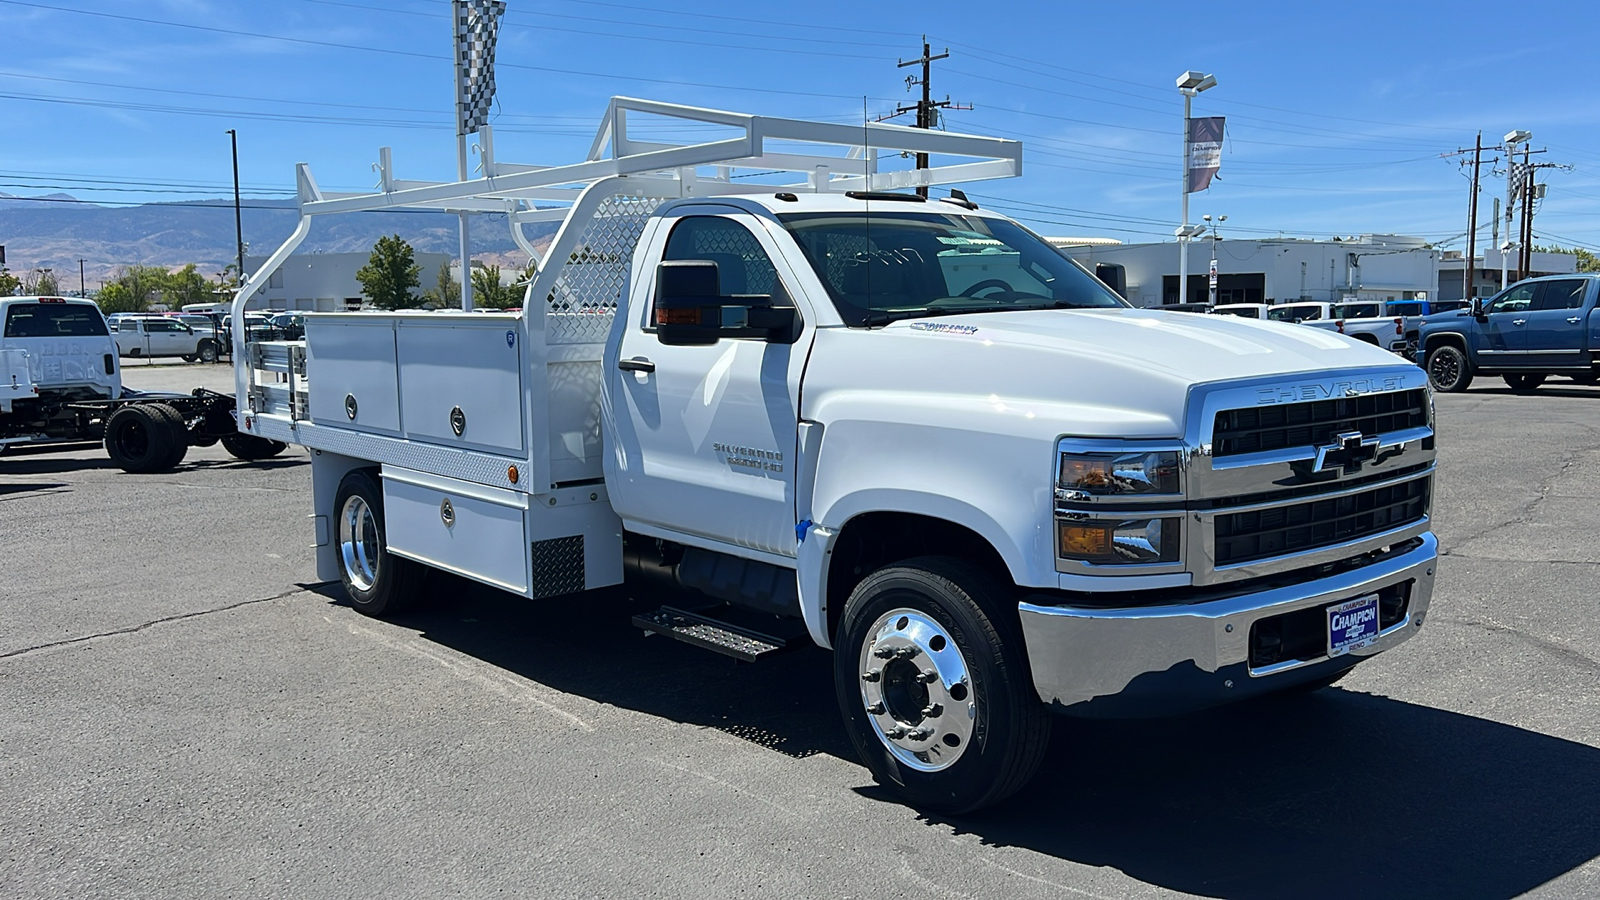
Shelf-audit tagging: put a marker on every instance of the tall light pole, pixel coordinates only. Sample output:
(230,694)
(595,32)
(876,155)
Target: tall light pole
(1212,278)
(82,290)
(238,219)
(1512,139)
(1189,84)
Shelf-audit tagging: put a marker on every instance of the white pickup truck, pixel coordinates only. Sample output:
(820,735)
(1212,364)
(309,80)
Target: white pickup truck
(1365,320)
(147,336)
(905,429)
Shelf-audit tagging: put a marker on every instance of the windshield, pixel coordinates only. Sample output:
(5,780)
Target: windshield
(882,266)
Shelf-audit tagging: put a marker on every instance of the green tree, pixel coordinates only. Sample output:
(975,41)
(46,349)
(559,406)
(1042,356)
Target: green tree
(1587,262)
(115,297)
(186,286)
(489,293)
(447,293)
(390,274)
(9,283)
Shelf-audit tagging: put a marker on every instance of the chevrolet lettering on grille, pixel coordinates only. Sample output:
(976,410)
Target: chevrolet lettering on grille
(1349,451)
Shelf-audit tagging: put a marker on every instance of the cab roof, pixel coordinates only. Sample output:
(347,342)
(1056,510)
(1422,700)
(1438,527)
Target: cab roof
(780,202)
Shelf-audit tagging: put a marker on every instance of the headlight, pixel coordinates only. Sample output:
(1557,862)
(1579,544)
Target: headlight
(1141,472)
(1130,541)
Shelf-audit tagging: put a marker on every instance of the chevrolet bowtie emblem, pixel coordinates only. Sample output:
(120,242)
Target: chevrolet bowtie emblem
(1349,451)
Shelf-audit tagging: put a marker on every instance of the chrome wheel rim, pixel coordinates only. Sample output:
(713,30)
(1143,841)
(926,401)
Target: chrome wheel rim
(358,543)
(917,690)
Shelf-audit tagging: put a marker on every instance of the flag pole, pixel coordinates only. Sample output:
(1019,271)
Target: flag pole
(458,24)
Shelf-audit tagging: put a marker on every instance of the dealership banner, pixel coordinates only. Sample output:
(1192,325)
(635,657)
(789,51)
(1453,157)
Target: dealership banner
(1202,152)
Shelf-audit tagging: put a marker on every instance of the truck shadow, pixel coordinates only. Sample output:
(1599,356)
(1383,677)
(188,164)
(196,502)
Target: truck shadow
(1332,794)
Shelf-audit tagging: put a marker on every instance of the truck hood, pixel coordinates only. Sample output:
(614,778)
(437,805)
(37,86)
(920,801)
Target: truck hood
(1115,372)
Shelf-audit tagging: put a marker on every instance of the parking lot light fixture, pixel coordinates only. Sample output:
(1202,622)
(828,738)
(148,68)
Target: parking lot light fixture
(1190,83)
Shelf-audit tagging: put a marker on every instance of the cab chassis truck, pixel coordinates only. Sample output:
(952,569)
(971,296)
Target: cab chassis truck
(907,427)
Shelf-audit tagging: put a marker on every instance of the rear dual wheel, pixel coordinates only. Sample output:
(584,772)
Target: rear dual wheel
(933,683)
(377,582)
(146,437)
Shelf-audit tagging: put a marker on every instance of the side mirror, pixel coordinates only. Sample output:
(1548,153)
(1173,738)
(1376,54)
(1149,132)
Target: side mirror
(691,310)
(1477,309)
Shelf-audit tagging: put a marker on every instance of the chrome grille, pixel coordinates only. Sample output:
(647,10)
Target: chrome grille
(1275,531)
(1280,426)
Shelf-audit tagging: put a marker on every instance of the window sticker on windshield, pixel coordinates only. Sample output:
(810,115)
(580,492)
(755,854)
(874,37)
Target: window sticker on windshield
(944,328)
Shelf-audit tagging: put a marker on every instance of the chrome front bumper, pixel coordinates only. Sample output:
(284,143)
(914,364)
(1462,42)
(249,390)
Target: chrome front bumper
(1168,659)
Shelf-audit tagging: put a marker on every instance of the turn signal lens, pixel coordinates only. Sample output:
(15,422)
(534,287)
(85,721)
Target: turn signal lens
(683,316)
(1089,542)
(1126,542)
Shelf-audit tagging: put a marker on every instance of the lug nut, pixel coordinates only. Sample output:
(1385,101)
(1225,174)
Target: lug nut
(928,676)
(907,652)
(921,734)
(932,711)
(876,709)
(896,733)
(883,652)
(871,675)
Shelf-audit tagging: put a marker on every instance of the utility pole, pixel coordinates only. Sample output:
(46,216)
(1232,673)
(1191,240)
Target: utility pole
(82,291)
(926,108)
(1524,257)
(238,218)
(1471,269)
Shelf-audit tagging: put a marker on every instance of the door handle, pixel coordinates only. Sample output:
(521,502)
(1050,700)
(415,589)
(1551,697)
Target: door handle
(637,364)
(1573,320)
(1519,321)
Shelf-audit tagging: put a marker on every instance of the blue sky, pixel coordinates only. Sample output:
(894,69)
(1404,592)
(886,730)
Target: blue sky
(1337,116)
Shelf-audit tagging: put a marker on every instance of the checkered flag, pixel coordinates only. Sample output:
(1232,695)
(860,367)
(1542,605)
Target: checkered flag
(477,29)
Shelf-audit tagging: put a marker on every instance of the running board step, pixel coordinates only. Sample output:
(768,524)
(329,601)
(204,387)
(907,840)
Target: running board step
(744,644)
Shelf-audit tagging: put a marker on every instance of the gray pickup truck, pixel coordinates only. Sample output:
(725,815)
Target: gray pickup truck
(1526,333)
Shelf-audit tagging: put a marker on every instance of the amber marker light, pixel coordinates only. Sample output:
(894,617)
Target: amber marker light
(513,474)
(1079,541)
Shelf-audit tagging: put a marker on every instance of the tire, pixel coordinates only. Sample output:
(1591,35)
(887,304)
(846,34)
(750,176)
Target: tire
(208,351)
(179,430)
(251,448)
(1448,369)
(377,582)
(138,439)
(1591,378)
(983,731)
(1525,384)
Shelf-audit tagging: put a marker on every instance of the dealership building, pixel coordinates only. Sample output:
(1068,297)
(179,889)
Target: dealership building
(1274,270)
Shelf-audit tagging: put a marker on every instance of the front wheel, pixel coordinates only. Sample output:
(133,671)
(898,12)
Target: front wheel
(1449,370)
(933,683)
(208,352)
(1524,384)
(377,582)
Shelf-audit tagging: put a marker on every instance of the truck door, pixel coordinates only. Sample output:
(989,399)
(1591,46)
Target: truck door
(1504,334)
(1556,323)
(705,435)
(166,337)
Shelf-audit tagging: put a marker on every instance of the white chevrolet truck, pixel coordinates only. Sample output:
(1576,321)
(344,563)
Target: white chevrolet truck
(905,429)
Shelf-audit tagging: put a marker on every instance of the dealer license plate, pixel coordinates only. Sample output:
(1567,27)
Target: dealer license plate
(1352,625)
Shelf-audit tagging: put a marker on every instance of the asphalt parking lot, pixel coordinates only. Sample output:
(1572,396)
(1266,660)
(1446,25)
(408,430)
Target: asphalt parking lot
(185,712)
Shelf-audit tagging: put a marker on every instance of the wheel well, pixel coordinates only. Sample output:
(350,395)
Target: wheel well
(1440,340)
(871,541)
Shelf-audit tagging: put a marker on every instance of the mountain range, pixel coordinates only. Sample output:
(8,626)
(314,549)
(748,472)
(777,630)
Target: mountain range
(55,231)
